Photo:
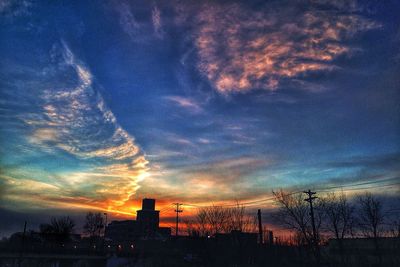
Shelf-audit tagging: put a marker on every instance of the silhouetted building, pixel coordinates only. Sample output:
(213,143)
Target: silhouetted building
(148,218)
(148,204)
(146,225)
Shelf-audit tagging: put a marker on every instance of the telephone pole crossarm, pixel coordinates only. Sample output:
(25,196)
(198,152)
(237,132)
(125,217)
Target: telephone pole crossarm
(310,200)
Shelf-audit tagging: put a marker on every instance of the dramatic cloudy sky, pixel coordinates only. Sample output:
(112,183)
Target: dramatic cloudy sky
(103,103)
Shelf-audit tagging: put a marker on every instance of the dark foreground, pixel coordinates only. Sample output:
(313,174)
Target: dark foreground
(189,251)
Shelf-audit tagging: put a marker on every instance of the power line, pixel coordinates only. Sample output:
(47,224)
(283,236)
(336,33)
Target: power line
(357,184)
(168,208)
(364,188)
(322,189)
(239,203)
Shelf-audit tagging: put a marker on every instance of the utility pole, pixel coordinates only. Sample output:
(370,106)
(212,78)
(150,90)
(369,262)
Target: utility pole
(260,230)
(310,199)
(177,210)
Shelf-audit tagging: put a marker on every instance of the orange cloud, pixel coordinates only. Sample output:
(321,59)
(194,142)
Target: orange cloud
(241,49)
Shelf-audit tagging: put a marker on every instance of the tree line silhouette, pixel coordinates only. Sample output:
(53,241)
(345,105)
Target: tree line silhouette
(211,230)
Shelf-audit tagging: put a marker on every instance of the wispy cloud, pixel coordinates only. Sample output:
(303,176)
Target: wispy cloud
(176,139)
(157,23)
(187,103)
(72,117)
(137,24)
(127,20)
(204,141)
(231,169)
(12,8)
(241,49)
(208,182)
(78,115)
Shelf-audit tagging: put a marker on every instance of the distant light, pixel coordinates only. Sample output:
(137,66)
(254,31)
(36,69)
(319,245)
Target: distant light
(109,246)
(75,246)
(131,246)
(94,246)
(208,236)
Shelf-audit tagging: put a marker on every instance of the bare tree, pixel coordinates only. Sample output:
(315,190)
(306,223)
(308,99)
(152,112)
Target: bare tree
(371,215)
(203,228)
(371,219)
(59,229)
(339,218)
(236,218)
(190,228)
(94,224)
(239,220)
(250,224)
(395,229)
(392,217)
(293,213)
(217,219)
(339,215)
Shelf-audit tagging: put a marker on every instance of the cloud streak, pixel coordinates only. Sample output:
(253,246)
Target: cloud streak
(157,23)
(209,182)
(185,103)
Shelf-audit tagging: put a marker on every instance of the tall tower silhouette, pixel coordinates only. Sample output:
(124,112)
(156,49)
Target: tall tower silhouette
(148,217)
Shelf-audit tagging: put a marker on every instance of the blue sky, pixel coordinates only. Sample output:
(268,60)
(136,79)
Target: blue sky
(195,101)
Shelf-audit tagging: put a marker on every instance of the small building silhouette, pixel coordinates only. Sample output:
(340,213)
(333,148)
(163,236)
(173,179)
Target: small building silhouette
(146,225)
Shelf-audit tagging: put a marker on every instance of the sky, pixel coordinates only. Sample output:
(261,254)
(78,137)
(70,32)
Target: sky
(103,103)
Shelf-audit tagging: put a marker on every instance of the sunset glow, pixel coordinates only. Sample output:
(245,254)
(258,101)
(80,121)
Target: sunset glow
(197,102)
